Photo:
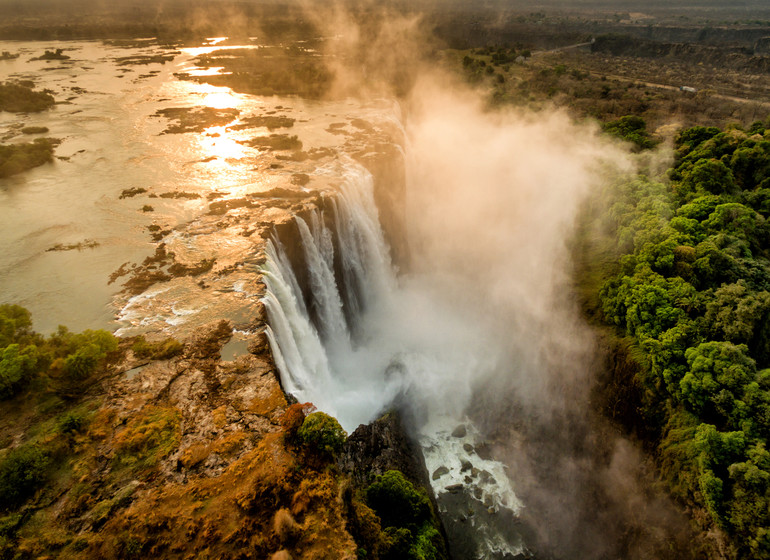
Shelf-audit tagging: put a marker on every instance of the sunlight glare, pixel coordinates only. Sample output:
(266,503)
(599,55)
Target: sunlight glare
(221,100)
(221,146)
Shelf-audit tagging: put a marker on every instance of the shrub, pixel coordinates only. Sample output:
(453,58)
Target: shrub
(83,351)
(399,543)
(16,368)
(322,432)
(72,422)
(425,545)
(15,322)
(22,473)
(284,526)
(148,437)
(397,501)
(631,128)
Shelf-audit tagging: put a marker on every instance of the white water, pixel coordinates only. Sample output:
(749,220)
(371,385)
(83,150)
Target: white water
(406,343)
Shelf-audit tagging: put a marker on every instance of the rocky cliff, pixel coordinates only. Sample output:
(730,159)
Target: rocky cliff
(190,454)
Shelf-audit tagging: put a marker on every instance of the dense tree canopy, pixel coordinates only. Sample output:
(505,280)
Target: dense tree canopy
(692,287)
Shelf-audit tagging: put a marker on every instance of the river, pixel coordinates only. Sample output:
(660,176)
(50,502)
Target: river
(113,142)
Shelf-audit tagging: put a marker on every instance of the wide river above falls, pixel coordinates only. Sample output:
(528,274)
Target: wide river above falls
(69,225)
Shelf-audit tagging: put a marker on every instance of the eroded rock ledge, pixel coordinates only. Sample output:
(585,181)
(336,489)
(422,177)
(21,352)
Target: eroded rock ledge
(191,456)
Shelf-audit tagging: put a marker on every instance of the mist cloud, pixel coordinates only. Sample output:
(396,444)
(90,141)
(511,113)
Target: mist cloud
(484,321)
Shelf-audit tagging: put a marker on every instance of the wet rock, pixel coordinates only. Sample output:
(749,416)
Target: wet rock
(259,344)
(439,472)
(381,446)
(467,447)
(455,488)
(460,431)
(466,466)
(487,477)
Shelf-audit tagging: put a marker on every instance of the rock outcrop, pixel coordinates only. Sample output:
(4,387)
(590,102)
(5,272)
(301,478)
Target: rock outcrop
(382,446)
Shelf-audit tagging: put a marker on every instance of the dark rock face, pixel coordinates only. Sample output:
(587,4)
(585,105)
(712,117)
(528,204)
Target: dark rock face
(385,445)
(381,446)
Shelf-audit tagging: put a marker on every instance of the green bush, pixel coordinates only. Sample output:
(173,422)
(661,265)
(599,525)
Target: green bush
(397,501)
(631,128)
(399,543)
(72,422)
(83,352)
(407,517)
(22,472)
(322,433)
(16,368)
(15,323)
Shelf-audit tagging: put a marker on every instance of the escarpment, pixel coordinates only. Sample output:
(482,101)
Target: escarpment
(192,452)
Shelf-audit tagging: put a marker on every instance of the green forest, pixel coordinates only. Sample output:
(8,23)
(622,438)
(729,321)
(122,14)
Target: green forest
(680,269)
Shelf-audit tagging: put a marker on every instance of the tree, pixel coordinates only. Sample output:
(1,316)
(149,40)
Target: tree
(22,472)
(691,138)
(749,510)
(750,163)
(716,451)
(15,322)
(740,316)
(631,128)
(718,372)
(398,502)
(709,175)
(16,368)
(701,207)
(322,433)
(737,220)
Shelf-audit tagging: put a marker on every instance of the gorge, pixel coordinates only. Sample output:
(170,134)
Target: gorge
(376,297)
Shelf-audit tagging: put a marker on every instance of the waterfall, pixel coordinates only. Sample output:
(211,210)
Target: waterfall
(357,338)
(318,360)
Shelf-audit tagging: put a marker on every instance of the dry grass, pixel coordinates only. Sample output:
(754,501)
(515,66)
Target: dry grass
(284,526)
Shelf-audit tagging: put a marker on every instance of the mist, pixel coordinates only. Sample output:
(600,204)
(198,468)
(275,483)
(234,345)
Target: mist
(480,327)
(492,209)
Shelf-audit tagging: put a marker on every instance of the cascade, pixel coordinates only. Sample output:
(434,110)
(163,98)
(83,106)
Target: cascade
(355,339)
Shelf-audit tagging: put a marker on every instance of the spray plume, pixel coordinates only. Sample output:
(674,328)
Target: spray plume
(482,331)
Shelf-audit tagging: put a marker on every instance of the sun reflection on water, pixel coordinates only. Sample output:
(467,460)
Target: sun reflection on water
(217,142)
(200,51)
(221,99)
(202,72)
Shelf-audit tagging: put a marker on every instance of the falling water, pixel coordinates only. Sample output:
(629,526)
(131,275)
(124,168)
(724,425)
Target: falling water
(357,342)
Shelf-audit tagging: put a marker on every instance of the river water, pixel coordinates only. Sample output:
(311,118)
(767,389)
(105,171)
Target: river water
(113,142)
